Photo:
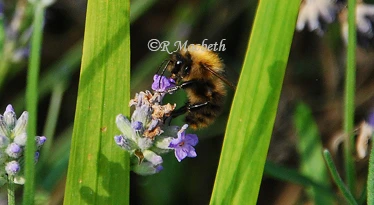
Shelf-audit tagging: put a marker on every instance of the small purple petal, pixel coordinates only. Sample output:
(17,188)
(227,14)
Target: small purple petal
(159,168)
(137,126)
(12,168)
(118,139)
(180,154)
(9,108)
(162,83)
(191,152)
(191,139)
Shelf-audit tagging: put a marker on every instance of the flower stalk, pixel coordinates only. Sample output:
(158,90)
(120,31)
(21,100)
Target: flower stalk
(11,197)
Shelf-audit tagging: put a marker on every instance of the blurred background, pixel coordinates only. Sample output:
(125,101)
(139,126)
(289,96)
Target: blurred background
(314,75)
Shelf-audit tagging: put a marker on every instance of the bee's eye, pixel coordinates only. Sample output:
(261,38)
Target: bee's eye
(177,66)
(186,70)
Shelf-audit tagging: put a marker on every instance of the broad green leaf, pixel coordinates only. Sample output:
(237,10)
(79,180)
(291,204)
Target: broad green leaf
(310,150)
(255,104)
(98,170)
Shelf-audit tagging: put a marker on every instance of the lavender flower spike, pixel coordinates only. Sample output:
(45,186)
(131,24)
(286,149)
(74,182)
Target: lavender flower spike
(184,144)
(162,83)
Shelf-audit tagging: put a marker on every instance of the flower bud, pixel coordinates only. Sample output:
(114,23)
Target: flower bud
(125,143)
(40,140)
(125,127)
(146,168)
(152,157)
(21,124)
(4,141)
(14,150)
(10,118)
(12,168)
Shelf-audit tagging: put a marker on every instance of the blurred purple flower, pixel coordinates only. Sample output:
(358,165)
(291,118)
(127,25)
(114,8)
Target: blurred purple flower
(184,144)
(40,140)
(162,83)
(371,119)
(36,157)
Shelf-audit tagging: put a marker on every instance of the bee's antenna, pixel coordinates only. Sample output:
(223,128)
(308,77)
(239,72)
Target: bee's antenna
(163,70)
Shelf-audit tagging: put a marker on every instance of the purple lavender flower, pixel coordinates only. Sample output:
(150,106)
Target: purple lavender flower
(162,83)
(184,144)
(14,150)
(12,168)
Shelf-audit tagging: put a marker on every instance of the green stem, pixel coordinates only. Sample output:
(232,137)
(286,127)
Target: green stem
(52,117)
(32,102)
(370,184)
(337,179)
(11,198)
(349,105)
(293,176)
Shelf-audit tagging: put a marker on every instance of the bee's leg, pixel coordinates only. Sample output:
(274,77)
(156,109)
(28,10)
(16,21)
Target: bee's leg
(181,86)
(175,113)
(196,106)
(179,111)
(186,108)
(183,110)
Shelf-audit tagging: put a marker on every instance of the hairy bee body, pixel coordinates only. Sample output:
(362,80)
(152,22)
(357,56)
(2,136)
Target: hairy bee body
(197,69)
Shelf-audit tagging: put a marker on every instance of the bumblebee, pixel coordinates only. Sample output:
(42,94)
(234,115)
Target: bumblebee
(199,72)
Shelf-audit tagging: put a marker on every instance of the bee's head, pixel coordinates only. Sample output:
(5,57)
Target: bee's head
(180,66)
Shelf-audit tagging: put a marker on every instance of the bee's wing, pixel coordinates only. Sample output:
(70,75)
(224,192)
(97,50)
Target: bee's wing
(221,77)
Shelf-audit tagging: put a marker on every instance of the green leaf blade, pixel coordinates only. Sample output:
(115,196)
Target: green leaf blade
(99,170)
(255,104)
(310,150)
